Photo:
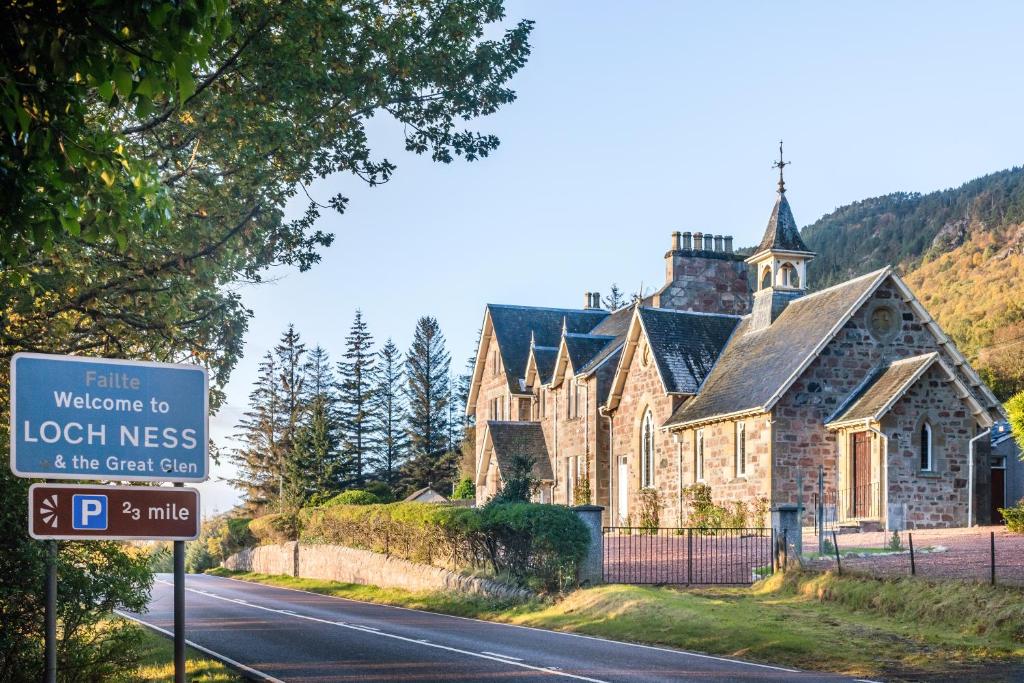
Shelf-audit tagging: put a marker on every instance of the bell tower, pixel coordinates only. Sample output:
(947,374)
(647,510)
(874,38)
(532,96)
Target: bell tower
(780,260)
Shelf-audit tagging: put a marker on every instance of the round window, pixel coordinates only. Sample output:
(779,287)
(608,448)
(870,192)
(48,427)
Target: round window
(883,322)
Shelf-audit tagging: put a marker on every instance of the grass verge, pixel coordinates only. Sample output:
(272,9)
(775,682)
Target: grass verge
(897,629)
(157,662)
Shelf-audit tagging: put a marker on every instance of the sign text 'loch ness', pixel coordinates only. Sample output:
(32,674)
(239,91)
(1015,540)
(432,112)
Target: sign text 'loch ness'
(86,418)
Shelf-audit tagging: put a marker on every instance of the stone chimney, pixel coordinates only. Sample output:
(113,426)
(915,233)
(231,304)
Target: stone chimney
(728,244)
(698,241)
(687,241)
(676,239)
(587,299)
(596,299)
(708,239)
(702,274)
(718,243)
(591,300)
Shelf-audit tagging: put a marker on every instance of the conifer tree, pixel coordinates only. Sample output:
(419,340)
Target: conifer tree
(389,414)
(289,355)
(355,396)
(318,443)
(615,299)
(428,393)
(466,445)
(258,458)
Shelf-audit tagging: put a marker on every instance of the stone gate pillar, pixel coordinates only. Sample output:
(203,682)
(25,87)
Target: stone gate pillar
(591,571)
(786,525)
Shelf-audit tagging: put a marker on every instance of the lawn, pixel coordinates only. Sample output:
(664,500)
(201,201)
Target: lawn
(157,662)
(898,629)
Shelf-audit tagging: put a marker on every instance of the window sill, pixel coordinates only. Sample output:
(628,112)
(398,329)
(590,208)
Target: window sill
(742,479)
(929,474)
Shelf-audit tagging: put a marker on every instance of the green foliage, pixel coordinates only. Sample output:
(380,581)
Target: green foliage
(198,558)
(650,510)
(1015,409)
(581,493)
(519,483)
(389,415)
(1014,517)
(428,393)
(464,490)
(381,490)
(219,537)
(275,528)
(95,577)
(353,497)
(356,400)
(895,543)
(536,545)
(703,514)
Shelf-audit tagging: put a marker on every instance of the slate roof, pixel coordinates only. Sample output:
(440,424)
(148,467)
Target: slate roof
(615,325)
(583,348)
(685,345)
(883,386)
(511,439)
(755,365)
(606,374)
(782,232)
(514,325)
(545,359)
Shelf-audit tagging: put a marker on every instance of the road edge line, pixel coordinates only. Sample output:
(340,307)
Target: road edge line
(247,671)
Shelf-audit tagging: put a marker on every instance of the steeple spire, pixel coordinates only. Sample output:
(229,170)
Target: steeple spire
(781,164)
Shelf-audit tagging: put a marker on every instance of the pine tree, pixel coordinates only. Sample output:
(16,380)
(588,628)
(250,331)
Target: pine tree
(289,355)
(258,458)
(389,414)
(428,393)
(466,444)
(318,444)
(355,395)
(615,299)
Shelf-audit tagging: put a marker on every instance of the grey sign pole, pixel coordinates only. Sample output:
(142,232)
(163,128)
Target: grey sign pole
(179,610)
(50,672)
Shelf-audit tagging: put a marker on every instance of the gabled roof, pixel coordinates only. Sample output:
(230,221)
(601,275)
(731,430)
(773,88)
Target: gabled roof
(782,233)
(541,362)
(757,367)
(887,384)
(583,348)
(514,327)
(615,325)
(505,440)
(684,345)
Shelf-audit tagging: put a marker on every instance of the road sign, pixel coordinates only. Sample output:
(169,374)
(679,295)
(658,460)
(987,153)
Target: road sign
(81,512)
(95,418)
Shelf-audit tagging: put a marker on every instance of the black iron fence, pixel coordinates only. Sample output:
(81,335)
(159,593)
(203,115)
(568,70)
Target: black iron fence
(841,506)
(687,556)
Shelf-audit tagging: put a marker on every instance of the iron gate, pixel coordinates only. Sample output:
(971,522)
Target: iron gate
(687,556)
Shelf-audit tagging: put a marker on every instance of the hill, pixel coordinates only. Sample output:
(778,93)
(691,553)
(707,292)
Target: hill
(961,250)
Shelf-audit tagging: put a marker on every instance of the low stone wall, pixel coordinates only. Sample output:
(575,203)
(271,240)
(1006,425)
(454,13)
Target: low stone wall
(352,565)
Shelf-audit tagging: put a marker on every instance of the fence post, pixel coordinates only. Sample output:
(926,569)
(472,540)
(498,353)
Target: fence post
(786,523)
(592,567)
(835,547)
(819,514)
(992,539)
(913,567)
(689,556)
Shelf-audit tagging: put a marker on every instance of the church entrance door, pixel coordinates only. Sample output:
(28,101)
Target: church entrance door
(861,469)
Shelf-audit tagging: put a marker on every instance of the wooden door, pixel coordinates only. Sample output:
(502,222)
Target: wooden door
(998,494)
(861,470)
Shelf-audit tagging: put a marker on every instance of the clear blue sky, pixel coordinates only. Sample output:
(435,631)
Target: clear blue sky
(637,119)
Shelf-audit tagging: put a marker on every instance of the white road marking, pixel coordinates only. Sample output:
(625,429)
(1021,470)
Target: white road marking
(205,650)
(675,651)
(498,654)
(395,636)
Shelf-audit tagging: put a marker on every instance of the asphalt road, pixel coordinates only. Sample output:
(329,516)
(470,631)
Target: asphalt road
(289,635)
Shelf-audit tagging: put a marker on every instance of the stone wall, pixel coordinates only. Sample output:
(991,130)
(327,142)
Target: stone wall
(710,282)
(352,565)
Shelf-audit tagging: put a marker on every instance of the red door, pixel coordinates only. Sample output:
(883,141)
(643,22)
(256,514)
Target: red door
(861,493)
(998,494)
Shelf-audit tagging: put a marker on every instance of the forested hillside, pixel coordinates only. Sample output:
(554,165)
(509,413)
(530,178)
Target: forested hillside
(961,250)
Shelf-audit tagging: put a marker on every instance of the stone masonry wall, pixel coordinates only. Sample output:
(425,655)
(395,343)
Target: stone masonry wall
(936,498)
(352,565)
(801,440)
(579,439)
(710,282)
(492,385)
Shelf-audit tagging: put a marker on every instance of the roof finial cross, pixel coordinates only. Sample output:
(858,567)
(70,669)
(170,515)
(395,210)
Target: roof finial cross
(780,164)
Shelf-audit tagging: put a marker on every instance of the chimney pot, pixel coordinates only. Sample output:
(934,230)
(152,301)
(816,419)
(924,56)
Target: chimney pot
(718,243)
(728,244)
(587,300)
(597,299)
(676,237)
(708,239)
(687,241)
(698,241)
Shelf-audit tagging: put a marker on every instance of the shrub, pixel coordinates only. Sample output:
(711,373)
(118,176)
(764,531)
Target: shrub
(581,489)
(275,528)
(533,545)
(353,497)
(703,513)
(1014,517)
(738,517)
(650,510)
(520,484)
(464,490)
(381,490)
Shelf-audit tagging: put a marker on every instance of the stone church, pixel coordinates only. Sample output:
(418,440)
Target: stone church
(733,374)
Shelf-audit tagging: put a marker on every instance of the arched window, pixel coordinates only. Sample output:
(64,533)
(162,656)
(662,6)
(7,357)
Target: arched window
(789,276)
(927,459)
(766,278)
(647,451)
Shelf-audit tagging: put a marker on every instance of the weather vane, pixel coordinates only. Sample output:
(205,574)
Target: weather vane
(780,164)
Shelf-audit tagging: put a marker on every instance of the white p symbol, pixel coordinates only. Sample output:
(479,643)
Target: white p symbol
(90,508)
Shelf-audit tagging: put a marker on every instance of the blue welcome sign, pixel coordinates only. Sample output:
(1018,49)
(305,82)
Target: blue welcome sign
(96,418)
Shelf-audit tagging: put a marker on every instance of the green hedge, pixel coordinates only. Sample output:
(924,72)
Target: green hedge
(276,528)
(353,497)
(1014,517)
(539,546)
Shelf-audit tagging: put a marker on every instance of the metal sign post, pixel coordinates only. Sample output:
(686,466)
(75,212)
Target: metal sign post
(108,419)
